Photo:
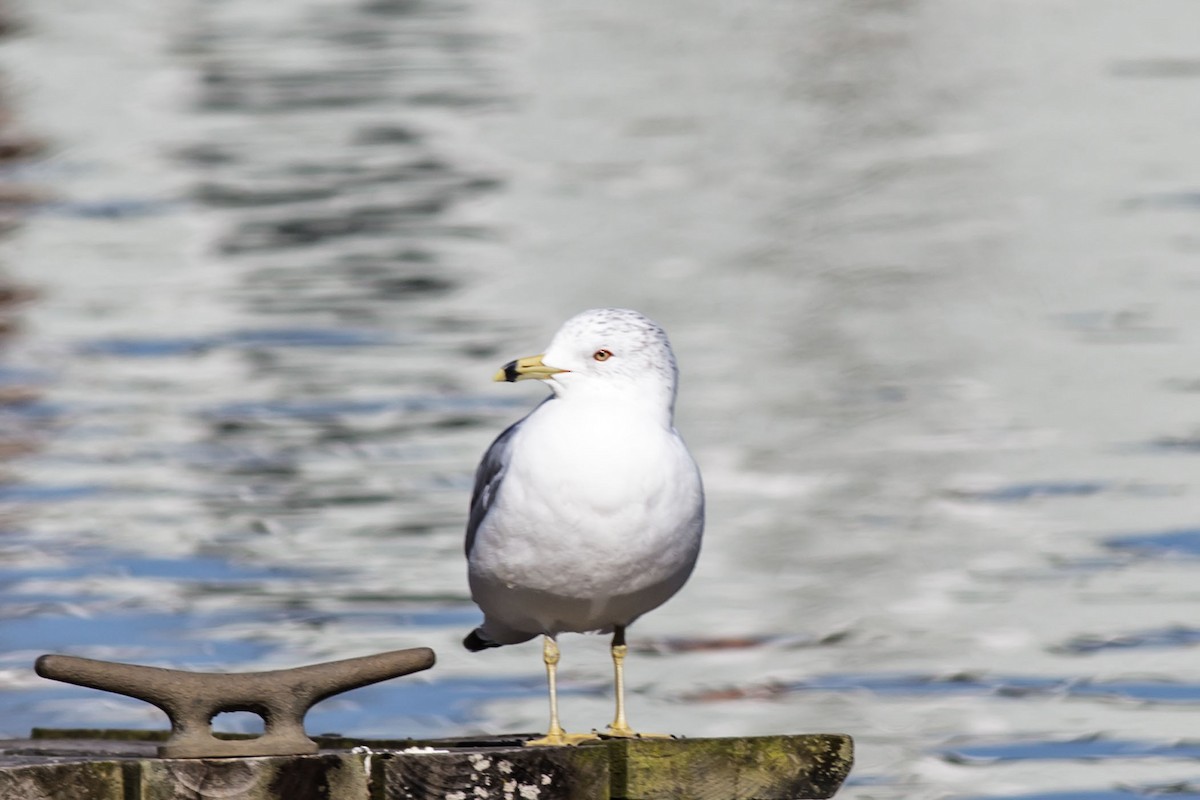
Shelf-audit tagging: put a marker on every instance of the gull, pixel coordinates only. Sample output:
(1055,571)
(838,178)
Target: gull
(589,511)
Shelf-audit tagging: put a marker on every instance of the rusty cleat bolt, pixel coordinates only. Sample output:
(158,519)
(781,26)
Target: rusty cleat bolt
(191,699)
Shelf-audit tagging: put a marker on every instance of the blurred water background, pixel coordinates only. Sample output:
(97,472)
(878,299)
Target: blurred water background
(929,266)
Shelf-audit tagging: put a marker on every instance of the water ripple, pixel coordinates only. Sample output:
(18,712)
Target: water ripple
(1148,690)
(1170,637)
(1087,748)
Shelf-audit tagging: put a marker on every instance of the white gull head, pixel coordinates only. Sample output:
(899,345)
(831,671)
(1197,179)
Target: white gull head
(604,354)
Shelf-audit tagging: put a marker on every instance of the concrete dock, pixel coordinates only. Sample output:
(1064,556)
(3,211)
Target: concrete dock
(122,765)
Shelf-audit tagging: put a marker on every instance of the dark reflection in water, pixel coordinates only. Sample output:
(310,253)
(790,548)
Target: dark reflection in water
(1175,636)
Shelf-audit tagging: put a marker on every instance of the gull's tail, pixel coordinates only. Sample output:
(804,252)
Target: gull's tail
(476,642)
(494,634)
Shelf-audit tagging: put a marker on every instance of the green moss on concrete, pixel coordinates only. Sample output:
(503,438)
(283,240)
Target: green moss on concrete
(755,768)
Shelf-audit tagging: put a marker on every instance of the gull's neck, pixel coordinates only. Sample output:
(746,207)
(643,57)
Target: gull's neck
(642,400)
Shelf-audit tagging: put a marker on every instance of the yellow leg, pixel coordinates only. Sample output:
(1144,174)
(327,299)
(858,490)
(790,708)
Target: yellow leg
(550,655)
(555,735)
(619,726)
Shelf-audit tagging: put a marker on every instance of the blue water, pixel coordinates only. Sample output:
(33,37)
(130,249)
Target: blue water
(1020,492)
(1163,544)
(47,494)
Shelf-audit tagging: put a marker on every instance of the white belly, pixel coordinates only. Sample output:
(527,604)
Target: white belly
(588,530)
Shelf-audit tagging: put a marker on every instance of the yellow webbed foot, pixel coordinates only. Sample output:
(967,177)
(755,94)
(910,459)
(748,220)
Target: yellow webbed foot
(562,739)
(625,732)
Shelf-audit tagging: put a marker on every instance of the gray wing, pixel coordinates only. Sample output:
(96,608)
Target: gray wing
(490,474)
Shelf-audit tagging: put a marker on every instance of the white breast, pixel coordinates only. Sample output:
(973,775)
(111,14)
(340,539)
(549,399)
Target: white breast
(595,505)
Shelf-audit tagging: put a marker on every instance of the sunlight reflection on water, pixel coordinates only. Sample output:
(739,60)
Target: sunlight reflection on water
(929,274)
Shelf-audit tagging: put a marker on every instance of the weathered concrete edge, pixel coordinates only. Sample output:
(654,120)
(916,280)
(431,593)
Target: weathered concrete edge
(810,766)
(93,780)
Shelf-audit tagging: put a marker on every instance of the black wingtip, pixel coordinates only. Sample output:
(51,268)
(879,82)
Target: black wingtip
(474,642)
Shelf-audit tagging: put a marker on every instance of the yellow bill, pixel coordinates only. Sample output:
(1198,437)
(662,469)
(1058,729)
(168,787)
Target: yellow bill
(525,369)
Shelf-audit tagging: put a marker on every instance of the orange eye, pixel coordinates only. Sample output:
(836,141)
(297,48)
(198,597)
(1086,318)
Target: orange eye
(602,355)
